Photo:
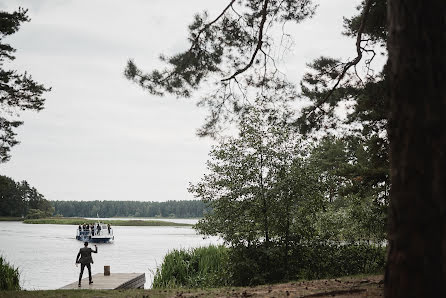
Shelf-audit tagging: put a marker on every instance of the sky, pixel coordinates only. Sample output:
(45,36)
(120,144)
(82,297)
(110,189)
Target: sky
(101,137)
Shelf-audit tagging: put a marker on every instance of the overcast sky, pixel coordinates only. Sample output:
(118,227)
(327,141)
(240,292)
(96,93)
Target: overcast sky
(100,137)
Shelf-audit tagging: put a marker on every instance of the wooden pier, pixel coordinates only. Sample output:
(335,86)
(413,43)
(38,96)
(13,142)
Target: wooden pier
(110,282)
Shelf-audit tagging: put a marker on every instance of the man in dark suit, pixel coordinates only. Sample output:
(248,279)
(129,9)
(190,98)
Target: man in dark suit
(84,257)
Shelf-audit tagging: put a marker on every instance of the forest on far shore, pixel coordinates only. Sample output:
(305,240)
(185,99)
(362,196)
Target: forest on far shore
(177,209)
(19,199)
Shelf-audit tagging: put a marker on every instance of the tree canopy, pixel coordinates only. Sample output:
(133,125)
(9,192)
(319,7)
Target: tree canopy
(398,108)
(19,199)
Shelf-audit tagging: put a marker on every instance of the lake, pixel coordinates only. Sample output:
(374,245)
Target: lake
(46,254)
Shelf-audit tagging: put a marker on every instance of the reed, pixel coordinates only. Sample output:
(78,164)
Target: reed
(193,268)
(9,276)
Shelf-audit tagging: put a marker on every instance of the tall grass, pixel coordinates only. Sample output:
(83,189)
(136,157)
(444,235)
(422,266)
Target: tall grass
(9,276)
(197,267)
(217,266)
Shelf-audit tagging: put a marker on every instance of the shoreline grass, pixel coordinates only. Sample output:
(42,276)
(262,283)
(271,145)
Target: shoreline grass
(9,218)
(80,221)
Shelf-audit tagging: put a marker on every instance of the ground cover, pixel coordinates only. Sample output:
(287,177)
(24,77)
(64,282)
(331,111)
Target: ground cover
(356,286)
(80,221)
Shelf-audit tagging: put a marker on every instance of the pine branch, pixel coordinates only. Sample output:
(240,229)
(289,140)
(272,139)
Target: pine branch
(264,13)
(355,61)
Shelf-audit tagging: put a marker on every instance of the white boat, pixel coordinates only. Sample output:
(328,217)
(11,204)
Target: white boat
(101,233)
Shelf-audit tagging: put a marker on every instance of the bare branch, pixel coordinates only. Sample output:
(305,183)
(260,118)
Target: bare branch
(355,61)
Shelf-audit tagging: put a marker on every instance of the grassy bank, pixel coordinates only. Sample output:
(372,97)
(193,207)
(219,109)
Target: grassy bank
(218,266)
(8,218)
(79,221)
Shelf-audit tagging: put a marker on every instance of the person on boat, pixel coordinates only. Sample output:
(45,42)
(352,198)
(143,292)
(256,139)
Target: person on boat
(85,259)
(108,227)
(92,229)
(98,229)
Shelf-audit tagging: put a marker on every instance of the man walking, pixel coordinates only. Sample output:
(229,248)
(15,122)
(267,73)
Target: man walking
(84,257)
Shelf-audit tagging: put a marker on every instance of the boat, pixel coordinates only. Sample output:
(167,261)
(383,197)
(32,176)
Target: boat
(101,233)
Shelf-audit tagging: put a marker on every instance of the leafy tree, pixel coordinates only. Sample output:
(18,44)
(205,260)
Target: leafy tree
(18,92)
(414,80)
(258,188)
(355,208)
(18,199)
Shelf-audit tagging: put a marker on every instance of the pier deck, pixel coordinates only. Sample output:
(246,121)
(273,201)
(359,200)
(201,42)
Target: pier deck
(110,282)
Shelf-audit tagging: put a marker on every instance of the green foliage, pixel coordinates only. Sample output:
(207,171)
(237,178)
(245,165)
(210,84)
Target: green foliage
(36,213)
(305,260)
(217,266)
(17,199)
(18,92)
(356,191)
(258,187)
(289,213)
(327,260)
(177,209)
(9,276)
(197,267)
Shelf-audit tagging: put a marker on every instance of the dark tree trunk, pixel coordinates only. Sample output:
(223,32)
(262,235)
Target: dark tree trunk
(416,265)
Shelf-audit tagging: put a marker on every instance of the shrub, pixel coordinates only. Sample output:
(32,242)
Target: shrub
(312,260)
(9,276)
(198,267)
(216,266)
(37,213)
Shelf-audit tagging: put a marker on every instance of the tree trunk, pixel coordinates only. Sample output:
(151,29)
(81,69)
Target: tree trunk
(416,265)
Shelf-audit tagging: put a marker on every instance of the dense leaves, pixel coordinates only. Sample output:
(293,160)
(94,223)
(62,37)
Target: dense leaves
(218,266)
(258,187)
(19,199)
(18,92)
(288,209)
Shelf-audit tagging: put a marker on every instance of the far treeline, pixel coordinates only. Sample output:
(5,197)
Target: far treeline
(177,209)
(19,199)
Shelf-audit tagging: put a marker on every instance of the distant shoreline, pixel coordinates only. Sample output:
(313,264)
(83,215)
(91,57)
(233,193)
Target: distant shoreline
(9,218)
(80,221)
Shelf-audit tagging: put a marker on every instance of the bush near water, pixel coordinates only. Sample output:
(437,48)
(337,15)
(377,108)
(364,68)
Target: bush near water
(192,268)
(9,276)
(218,266)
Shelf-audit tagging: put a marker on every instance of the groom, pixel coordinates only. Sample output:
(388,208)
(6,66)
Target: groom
(84,257)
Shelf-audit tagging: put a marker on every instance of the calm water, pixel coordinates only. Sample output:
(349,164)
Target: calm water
(46,254)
